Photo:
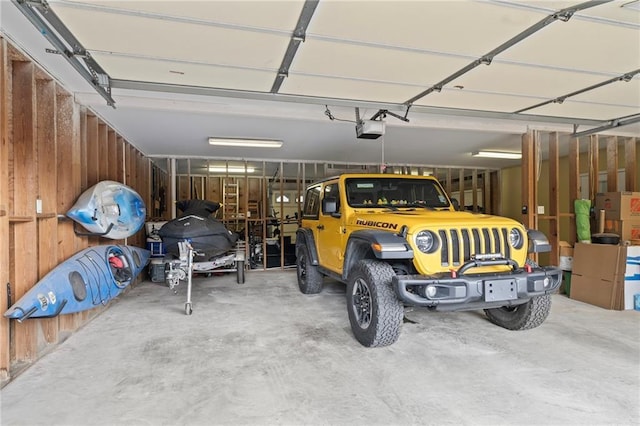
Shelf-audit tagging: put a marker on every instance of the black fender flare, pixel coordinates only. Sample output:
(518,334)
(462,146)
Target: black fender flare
(538,242)
(304,237)
(373,243)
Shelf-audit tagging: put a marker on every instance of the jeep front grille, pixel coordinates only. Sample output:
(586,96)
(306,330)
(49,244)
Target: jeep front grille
(458,246)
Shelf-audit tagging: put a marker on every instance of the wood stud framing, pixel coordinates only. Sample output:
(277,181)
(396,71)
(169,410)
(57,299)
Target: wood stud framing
(529,183)
(612,164)
(51,150)
(47,222)
(594,152)
(574,185)
(594,168)
(461,188)
(554,196)
(630,169)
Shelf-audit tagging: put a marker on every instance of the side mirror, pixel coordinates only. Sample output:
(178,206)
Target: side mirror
(329,205)
(456,203)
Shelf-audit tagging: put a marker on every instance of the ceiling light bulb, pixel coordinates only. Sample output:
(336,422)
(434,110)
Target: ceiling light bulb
(231,169)
(253,143)
(497,154)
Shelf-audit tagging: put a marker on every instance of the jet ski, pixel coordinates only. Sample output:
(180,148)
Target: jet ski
(207,235)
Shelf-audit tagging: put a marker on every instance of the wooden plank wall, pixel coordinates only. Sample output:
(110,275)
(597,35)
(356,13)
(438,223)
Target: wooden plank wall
(22,200)
(4,208)
(51,150)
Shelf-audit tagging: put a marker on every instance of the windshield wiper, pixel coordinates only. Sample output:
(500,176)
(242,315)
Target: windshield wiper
(414,205)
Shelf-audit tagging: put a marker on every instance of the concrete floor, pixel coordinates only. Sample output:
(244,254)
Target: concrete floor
(263,353)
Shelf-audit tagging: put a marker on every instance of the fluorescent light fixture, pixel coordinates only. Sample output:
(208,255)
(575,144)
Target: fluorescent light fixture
(231,169)
(252,143)
(497,154)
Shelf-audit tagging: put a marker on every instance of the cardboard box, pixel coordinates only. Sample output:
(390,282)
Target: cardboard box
(631,276)
(566,256)
(619,205)
(627,229)
(606,275)
(598,275)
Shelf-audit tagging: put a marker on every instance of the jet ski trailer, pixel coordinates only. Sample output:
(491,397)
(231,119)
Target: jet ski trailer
(183,268)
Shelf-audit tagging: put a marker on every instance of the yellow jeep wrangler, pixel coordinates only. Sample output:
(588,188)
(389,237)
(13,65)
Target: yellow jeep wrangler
(397,240)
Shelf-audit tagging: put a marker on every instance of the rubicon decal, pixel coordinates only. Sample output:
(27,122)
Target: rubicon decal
(373,223)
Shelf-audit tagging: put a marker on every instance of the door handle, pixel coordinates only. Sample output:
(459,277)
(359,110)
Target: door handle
(320,227)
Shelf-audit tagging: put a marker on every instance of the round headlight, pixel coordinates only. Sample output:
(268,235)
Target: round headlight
(426,241)
(515,238)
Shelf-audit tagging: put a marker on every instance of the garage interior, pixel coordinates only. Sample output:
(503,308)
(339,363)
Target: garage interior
(134,91)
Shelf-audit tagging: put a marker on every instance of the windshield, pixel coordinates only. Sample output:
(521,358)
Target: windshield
(395,191)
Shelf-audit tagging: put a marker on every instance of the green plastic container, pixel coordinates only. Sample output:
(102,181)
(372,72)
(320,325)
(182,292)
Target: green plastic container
(566,283)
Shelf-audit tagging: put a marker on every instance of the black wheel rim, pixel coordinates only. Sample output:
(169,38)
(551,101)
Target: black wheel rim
(361,304)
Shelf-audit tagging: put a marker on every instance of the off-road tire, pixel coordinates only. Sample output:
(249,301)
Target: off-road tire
(309,278)
(521,317)
(375,313)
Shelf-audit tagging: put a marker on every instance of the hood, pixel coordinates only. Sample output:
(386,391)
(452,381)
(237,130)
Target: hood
(418,219)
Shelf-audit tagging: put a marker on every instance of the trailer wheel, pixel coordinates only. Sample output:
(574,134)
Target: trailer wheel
(240,271)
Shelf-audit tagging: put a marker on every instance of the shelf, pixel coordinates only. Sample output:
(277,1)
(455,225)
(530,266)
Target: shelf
(22,219)
(17,219)
(47,215)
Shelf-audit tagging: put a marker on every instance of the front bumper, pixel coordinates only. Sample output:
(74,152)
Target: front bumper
(458,292)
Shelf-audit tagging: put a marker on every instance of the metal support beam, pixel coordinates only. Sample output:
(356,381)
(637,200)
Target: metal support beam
(43,18)
(337,102)
(611,124)
(624,77)
(562,15)
(297,37)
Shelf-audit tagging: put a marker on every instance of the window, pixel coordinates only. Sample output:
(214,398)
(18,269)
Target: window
(602,183)
(333,190)
(312,203)
(396,191)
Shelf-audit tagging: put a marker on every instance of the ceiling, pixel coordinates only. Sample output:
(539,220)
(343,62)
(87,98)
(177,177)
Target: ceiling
(181,71)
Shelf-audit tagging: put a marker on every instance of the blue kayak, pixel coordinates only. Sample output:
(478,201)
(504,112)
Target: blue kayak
(90,278)
(109,209)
